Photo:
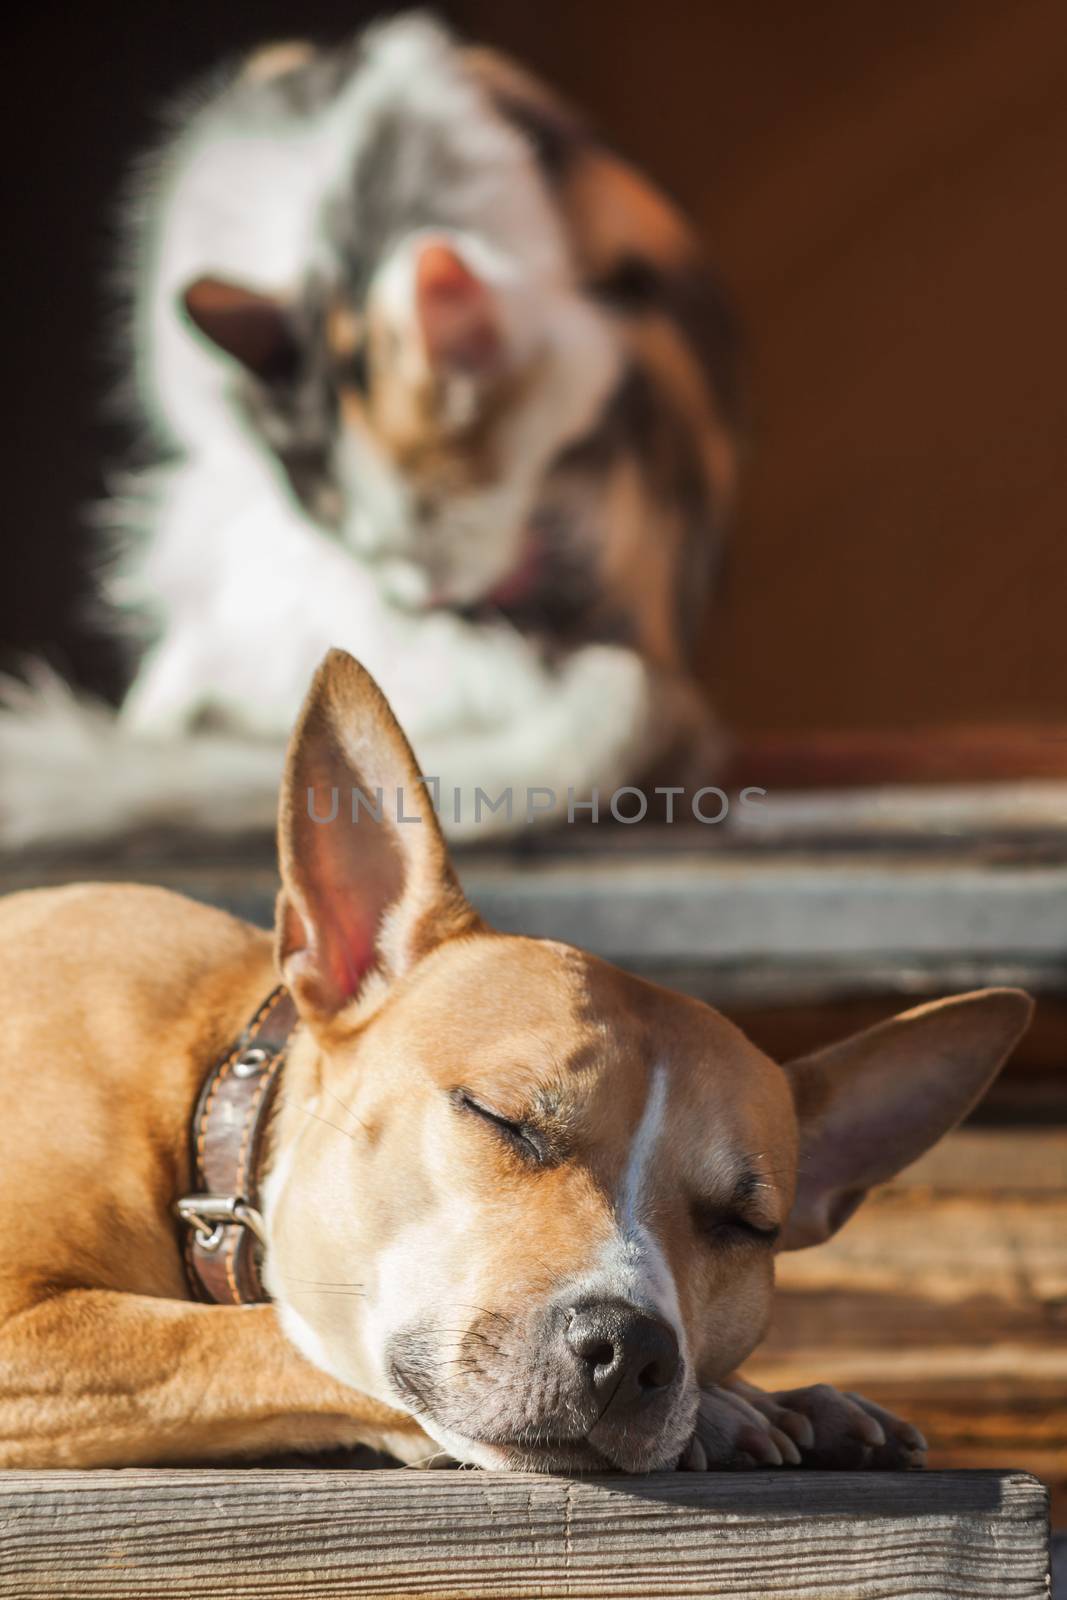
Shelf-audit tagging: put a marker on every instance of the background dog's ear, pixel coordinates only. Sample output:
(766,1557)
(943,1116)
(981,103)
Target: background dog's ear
(871,1105)
(254,328)
(367,884)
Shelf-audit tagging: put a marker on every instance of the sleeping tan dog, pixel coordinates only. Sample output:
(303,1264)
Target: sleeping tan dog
(518,1207)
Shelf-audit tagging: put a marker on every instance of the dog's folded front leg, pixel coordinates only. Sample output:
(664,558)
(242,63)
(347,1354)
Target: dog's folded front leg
(94,1378)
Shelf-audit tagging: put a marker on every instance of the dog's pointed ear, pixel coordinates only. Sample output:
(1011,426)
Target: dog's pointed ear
(872,1104)
(367,885)
(256,329)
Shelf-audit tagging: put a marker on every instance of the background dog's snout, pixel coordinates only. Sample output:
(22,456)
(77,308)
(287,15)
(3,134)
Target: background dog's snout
(624,1353)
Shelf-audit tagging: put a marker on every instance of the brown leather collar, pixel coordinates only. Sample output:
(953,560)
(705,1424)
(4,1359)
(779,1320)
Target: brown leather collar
(224,1235)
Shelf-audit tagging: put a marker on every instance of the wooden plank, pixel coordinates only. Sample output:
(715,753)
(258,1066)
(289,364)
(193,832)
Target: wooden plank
(760,985)
(710,909)
(137,1535)
(898,813)
(993,821)
(994,1160)
(949,1247)
(812,897)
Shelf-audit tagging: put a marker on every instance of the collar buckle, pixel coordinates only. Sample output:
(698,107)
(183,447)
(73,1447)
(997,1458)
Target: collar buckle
(211,1214)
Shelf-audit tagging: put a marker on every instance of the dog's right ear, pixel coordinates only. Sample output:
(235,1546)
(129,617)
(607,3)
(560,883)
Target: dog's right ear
(367,885)
(256,329)
(870,1105)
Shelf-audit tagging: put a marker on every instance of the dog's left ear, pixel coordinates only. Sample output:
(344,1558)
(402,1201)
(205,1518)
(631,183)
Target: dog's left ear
(871,1105)
(367,885)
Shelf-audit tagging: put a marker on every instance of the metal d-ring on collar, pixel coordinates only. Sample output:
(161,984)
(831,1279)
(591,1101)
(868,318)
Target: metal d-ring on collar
(210,1213)
(225,1233)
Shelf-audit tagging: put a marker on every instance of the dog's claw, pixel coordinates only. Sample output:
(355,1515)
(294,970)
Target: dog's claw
(868,1429)
(760,1446)
(797,1428)
(895,1429)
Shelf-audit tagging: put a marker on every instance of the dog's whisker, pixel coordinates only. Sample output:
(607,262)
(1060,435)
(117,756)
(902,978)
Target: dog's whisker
(471,1333)
(328,1283)
(349,1294)
(553,1274)
(289,1101)
(425,1461)
(346,1109)
(498,1315)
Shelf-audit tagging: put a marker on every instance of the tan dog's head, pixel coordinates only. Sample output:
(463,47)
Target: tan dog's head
(522,1195)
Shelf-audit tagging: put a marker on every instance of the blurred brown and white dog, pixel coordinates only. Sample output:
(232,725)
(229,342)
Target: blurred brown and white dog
(435,377)
(517,1206)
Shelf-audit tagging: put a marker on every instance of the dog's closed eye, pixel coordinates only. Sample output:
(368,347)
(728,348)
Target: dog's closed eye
(720,1225)
(523,1139)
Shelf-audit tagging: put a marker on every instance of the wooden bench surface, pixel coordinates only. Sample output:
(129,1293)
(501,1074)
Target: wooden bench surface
(871,892)
(141,1535)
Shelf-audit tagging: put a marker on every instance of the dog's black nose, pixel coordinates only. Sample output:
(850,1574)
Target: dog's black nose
(626,1356)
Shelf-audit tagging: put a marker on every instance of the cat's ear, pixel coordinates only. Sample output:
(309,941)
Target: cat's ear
(255,329)
(456,313)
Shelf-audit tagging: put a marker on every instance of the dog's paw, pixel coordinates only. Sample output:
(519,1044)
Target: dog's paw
(840,1431)
(731,1433)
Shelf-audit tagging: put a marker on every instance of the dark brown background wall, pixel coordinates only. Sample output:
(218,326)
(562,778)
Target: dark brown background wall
(884,187)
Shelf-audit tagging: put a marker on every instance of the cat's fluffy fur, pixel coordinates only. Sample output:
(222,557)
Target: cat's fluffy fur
(510,542)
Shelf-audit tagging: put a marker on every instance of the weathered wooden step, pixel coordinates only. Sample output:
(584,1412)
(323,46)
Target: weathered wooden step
(138,1535)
